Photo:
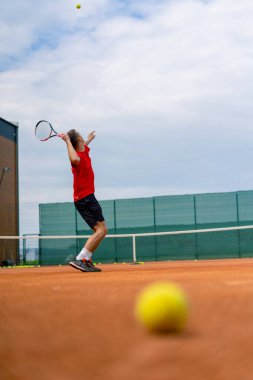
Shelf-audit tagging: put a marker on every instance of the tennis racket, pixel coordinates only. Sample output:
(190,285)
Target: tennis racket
(44,130)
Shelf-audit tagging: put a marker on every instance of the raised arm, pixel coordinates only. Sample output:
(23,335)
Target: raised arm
(73,156)
(90,137)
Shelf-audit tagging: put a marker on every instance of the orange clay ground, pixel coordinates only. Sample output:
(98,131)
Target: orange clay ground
(57,323)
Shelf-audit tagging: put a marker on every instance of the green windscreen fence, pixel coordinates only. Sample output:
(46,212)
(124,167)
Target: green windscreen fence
(149,215)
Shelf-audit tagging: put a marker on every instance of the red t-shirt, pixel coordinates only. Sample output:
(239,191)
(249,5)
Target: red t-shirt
(83,176)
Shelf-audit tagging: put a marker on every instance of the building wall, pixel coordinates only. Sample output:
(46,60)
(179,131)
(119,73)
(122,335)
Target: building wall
(9,225)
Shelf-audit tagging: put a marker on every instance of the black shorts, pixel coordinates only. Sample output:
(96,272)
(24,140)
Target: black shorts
(90,210)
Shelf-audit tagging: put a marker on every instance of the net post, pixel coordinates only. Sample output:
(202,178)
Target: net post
(39,253)
(155,229)
(134,249)
(24,250)
(115,232)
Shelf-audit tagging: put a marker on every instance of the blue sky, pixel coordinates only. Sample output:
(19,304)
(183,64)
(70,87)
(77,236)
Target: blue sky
(167,85)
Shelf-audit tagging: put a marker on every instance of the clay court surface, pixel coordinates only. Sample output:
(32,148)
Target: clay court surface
(60,324)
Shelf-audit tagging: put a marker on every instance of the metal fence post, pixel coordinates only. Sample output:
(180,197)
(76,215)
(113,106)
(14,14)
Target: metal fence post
(238,224)
(195,222)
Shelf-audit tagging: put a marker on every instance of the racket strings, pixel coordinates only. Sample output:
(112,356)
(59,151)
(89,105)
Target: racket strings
(43,130)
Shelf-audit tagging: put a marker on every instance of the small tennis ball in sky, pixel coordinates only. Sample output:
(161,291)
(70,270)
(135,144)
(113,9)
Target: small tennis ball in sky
(78,6)
(162,307)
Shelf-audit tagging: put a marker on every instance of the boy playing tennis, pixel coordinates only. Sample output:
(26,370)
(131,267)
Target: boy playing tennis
(84,199)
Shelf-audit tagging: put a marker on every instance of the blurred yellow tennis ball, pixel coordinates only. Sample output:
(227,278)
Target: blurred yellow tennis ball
(162,307)
(78,6)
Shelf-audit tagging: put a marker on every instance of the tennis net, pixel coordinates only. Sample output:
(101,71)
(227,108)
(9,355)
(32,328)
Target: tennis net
(230,242)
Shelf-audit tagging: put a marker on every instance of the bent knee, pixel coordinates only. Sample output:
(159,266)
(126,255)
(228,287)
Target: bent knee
(104,231)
